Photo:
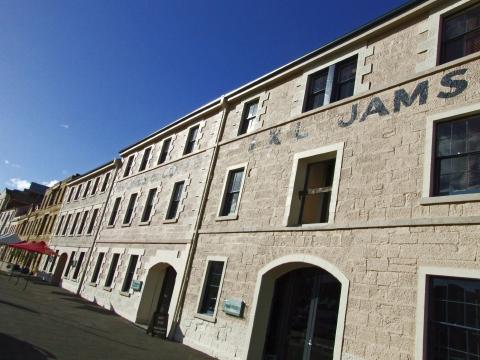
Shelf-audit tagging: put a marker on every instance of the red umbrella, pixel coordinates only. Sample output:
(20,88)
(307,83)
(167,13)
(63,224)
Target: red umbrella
(34,246)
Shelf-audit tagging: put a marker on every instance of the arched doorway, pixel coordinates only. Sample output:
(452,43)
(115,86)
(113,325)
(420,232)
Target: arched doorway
(298,310)
(303,316)
(57,275)
(154,309)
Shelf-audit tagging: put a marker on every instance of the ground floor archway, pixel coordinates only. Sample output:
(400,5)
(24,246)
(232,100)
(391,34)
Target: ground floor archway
(57,275)
(298,310)
(156,302)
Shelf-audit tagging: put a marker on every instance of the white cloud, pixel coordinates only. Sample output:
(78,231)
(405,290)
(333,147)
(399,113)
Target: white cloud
(9,163)
(50,183)
(18,184)
(65,126)
(6,162)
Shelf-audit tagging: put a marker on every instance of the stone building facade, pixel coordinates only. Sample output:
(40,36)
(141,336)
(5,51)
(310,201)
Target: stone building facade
(329,209)
(77,225)
(145,237)
(356,225)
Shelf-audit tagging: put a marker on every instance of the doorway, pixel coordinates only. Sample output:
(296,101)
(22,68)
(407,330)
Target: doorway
(57,275)
(303,316)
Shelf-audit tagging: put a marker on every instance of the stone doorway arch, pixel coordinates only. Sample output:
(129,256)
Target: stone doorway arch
(264,293)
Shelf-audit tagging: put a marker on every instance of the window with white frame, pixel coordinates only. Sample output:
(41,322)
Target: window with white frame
(460,35)
(175,200)
(92,221)
(70,263)
(87,188)
(95,185)
(78,266)
(453,318)
(130,207)
(77,194)
(457,157)
(96,270)
(164,151)
(113,214)
(105,182)
(74,225)
(69,217)
(128,166)
(111,270)
(191,139)
(132,265)
(232,192)
(331,84)
(248,117)
(147,210)
(313,186)
(145,158)
(211,288)
(82,222)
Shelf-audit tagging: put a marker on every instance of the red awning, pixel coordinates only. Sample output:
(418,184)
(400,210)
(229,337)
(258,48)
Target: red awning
(34,246)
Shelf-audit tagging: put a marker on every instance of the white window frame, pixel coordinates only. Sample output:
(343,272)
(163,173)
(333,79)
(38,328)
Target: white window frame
(134,209)
(291,214)
(256,121)
(93,264)
(130,173)
(233,216)
(120,252)
(422,311)
(100,191)
(187,132)
(147,165)
(117,215)
(181,204)
(130,253)
(169,151)
(210,318)
(154,205)
(429,158)
(89,220)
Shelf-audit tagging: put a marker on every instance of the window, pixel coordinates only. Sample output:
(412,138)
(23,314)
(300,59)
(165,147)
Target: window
(146,156)
(113,215)
(211,288)
(316,194)
(87,188)
(248,117)
(131,205)
(128,166)
(95,185)
(147,211)
(460,34)
(105,182)
(191,140)
(96,271)
(77,194)
(132,264)
(457,157)
(72,190)
(54,260)
(111,270)
(74,225)
(70,263)
(331,84)
(82,223)
(52,222)
(164,152)
(69,216)
(92,221)
(453,324)
(313,187)
(79,265)
(232,192)
(175,200)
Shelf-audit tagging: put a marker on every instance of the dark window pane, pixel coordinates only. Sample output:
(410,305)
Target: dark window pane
(175,200)
(212,284)
(316,90)
(111,270)
(164,152)
(146,156)
(232,192)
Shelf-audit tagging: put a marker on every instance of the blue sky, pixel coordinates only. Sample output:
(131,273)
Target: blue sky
(79,80)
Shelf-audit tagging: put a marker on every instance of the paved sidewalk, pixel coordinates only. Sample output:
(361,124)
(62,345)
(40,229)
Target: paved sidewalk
(46,322)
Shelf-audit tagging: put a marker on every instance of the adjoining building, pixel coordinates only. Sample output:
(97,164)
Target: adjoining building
(329,209)
(78,222)
(142,249)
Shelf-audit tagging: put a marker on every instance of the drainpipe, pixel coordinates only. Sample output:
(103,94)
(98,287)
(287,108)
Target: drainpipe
(118,164)
(198,222)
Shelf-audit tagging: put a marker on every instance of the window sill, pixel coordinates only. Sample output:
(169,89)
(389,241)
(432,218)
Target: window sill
(107,288)
(227,217)
(449,199)
(144,223)
(92,284)
(110,226)
(170,221)
(209,318)
(125,293)
(126,225)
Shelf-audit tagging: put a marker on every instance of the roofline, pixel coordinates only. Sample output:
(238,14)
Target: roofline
(91,172)
(309,56)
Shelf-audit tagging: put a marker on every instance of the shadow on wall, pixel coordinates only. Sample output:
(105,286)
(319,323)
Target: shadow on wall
(14,349)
